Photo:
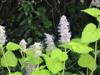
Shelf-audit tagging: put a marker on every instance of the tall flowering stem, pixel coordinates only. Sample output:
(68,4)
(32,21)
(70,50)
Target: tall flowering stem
(49,42)
(2,42)
(37,50)
(65,34)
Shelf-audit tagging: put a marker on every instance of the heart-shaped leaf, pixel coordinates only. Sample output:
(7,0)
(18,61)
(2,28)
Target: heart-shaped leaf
(58,54)
(16,73)
(90,33)
(79,47)
(53,65)
(92,11)
(12,46)
(98,30)
(9,60)
(87,61)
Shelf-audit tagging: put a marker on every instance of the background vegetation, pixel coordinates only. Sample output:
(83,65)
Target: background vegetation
(29,18)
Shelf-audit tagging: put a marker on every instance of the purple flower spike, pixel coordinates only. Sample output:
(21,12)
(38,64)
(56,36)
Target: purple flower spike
(50,42)
(2,35)
(64,30)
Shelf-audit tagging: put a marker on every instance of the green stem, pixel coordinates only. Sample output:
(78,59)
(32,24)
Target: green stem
(64,64)
(38,63)
(38,66)
(95,51)
(87,71)
(91,73)
(63,68)
(21,54)
(5,60)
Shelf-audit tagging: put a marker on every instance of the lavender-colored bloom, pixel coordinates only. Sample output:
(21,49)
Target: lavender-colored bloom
(50,42)
(29,69)
(95,3)
(2,35)
(23,44)
(64,30)
(37,49)
(82,1)
(33,1)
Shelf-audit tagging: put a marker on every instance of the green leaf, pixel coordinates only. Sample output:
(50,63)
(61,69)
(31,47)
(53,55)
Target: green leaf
(89,34)
(98,18)
(41,72)
(10,74)
(98,30)
(9,59)
(58,54)
(34,60)
(65,73)
(74,74)
(30,53)
(92,11)
(12,46)
(37,60)
(53,65)
(78,40)
(87,61)
(63,56)
(79,47)
(16,73)
(42,67)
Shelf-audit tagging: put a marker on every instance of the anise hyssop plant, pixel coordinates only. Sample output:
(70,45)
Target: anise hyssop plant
(38,60)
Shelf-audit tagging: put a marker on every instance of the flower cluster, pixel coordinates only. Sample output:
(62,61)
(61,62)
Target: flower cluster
(37,49)
(23,44)
(82,1)
(50,42)
(95,3)
(29,69)
(64,30)
(2,35)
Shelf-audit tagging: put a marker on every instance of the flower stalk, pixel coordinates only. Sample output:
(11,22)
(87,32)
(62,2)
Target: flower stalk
(65,35)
